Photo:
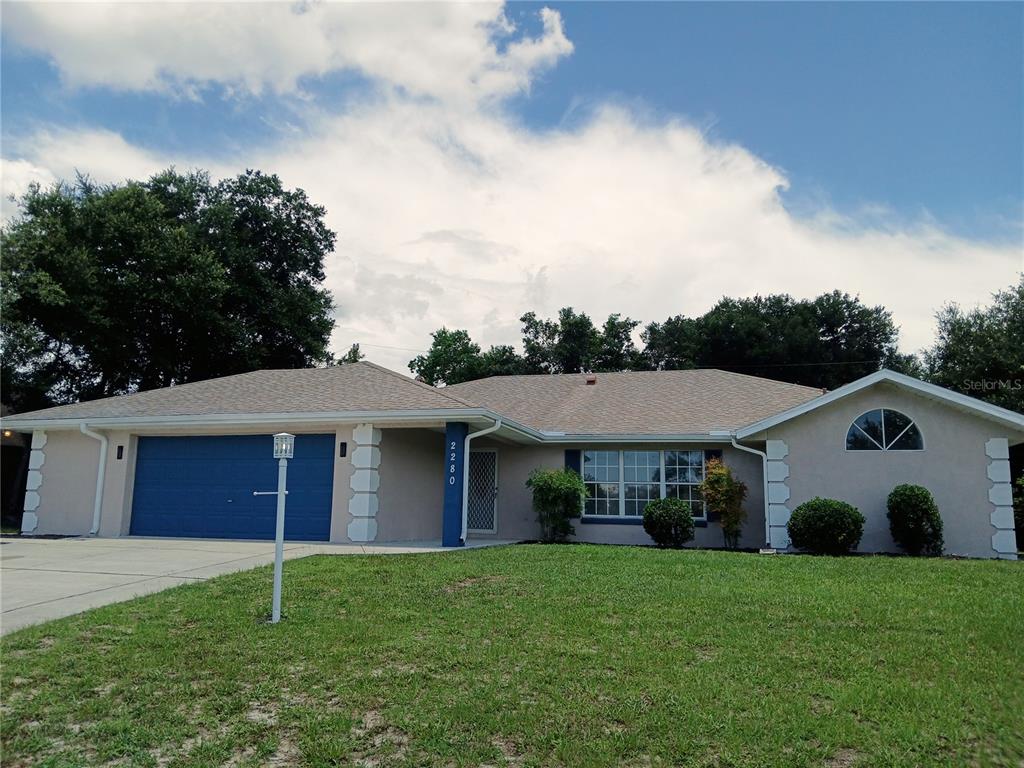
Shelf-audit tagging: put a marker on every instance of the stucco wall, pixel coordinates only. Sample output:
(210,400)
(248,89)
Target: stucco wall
(953,466)
(68,483)
(411,491)
(342,490)
(117,487)
(516,518)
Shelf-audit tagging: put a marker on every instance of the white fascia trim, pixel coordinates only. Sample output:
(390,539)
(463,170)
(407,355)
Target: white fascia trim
(357,417)
(245,419)
(994,412)
(714,437)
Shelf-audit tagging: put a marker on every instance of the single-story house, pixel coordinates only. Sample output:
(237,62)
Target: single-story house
(381,457)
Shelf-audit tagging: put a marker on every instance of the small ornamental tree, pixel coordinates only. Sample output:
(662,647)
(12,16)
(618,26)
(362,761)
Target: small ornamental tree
(826,526)
(914,520)
(669,522)
(558,496)
(723,495)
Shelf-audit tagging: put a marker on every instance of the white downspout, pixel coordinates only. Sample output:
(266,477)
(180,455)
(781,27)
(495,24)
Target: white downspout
(101,473)
(465,474)
(764,482)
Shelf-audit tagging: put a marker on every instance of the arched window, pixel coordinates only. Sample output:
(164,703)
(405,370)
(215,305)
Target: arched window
(884,430)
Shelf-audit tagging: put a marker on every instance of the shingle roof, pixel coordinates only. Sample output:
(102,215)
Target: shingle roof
(358,386)
(647,402)
(642,402)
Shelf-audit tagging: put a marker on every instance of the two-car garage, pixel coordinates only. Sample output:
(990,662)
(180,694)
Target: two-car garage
(202,487)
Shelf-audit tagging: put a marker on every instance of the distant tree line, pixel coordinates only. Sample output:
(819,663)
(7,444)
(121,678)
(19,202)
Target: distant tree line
(823,342)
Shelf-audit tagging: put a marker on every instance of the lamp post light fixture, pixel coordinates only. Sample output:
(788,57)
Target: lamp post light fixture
(284,449)
(284,445)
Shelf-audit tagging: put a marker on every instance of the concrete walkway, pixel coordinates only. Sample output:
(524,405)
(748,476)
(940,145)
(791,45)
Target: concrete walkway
(43,579)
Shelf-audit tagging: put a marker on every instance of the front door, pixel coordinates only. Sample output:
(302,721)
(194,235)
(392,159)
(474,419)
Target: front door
(482,501)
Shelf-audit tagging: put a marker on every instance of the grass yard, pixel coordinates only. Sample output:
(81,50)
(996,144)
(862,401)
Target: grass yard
(537,655)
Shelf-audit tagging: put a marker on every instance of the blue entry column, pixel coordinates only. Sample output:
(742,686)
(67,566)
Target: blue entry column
(454,464)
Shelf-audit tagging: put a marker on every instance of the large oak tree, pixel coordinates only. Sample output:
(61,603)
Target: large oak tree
(113,289)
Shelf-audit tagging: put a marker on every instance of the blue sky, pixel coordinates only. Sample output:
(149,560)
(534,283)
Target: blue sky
(468,154)
(918,107)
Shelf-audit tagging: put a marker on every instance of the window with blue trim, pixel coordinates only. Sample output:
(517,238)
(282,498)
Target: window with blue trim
(601,475)
(622,483)
(684,472)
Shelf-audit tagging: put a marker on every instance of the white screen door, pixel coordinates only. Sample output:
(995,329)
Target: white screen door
(482,502)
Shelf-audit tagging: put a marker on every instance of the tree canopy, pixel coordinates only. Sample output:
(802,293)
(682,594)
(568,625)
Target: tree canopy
(980,352)
(115,288)
(822,342)
(569,344)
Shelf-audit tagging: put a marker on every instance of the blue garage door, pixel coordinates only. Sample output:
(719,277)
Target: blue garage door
(202,487)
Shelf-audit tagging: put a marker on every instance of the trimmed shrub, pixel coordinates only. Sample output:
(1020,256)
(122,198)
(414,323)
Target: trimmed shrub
(723,495)
(669,522)
(558,496)
(914,520)
(826,526)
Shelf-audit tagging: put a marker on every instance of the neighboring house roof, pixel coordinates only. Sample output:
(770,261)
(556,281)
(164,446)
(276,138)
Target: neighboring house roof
(941,394)
(357,387)
(690,402)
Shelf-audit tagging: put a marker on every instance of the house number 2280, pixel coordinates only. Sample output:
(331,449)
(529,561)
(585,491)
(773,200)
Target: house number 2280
(451,465)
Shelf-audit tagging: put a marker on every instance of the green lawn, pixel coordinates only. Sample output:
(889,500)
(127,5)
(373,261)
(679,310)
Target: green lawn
(538,655)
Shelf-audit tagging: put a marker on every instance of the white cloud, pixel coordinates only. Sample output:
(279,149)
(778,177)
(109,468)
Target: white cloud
(445,50)
(463,217)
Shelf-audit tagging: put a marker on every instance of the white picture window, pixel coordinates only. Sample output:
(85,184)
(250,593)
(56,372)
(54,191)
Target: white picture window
(622,483)
(601,475)
(684,472)
(641,475)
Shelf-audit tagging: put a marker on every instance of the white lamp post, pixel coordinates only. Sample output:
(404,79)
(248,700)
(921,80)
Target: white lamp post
(284,449)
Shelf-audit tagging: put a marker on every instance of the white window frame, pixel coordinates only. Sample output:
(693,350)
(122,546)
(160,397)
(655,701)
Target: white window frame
(882,448)
(662,484)
(583,469)
(703,472)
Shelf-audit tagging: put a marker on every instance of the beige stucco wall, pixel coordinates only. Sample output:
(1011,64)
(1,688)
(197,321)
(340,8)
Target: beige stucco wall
(953,466)
(117,488)
(411,491)
(342,490)
(516,518)
(411,495)
(68,483)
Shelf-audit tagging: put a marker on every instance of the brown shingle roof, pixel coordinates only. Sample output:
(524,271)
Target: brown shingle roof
(642,402)
(352,387)
(648,402)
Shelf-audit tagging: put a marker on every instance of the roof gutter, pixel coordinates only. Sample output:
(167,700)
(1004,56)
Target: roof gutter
(101,472)
(764,484)
(465,473)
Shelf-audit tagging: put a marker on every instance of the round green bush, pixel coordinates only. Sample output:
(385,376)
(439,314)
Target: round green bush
(914,520)
(669,522)
(826,526)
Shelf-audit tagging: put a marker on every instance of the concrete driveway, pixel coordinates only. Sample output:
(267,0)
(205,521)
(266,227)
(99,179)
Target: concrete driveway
(43,579)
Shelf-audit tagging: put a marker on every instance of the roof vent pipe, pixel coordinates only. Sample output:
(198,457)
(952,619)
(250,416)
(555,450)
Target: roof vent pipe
(591,379)
(101,472)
